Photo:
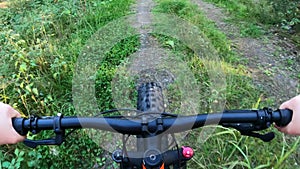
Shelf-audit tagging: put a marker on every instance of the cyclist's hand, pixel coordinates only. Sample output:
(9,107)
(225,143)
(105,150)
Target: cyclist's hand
(8,135)
(293,127)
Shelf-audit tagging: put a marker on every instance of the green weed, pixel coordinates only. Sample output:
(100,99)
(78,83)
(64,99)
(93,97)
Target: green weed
(251,30)
(191,13)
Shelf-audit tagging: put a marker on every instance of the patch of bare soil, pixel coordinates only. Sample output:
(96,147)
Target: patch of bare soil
(4,4)
(273,61)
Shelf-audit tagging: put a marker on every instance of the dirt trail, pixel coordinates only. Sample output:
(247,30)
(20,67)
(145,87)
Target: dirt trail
(272,61)
(147,61)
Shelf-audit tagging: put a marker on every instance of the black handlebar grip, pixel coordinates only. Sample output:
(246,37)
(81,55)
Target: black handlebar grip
(18,126)
(286,117)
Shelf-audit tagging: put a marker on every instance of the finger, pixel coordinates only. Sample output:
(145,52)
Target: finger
(17,114)
(284,105)
(17,137)
(13,112)
(282,129)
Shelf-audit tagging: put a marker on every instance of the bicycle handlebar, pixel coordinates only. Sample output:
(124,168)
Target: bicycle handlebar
(260,119)
(245,121)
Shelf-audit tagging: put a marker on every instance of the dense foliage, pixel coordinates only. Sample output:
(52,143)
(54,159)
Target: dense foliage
(286,13)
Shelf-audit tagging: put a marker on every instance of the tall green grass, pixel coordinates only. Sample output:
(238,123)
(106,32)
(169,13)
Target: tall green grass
(40,42)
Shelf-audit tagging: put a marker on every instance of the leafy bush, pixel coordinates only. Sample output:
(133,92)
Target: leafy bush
(274,12)
(285,12)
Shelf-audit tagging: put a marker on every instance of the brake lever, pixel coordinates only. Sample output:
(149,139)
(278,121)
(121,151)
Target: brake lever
(264,137)
(247,129)
(59,135)
(35,143)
